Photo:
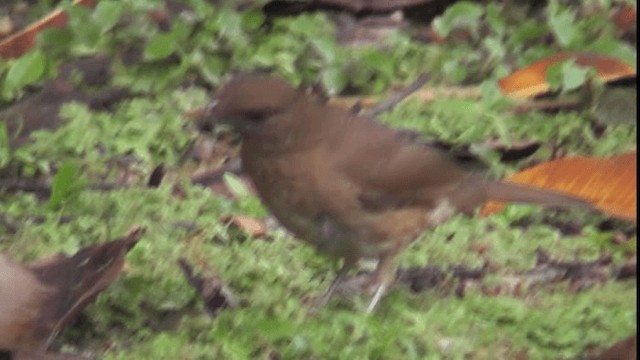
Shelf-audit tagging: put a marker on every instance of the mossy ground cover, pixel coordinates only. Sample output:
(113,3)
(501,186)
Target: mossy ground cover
(152,312)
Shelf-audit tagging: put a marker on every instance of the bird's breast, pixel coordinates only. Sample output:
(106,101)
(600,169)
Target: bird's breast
(287,187)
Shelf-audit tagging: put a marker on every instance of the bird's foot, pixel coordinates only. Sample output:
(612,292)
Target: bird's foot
(365,283)
(346,287)
(380,291)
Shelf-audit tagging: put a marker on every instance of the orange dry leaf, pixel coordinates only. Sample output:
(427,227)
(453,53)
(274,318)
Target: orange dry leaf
(250,225)
(608,183)
(17,44)
(625,18)
(531,80)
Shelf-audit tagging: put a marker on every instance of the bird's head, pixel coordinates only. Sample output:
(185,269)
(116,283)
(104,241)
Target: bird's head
(248,100)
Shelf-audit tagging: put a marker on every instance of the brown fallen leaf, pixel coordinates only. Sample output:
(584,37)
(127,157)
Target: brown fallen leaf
(625,18)
(627,271)
(40,110)
(617,105)
(211,289)
(608,183)
(164,15)
(532,80)
(156,176)
(580,274)
(458,279)
(577,275)
(626,349)
(372,30)
(424,95)
(422,278)
(355,6)
(547,105)
(214,179)
(39,299)
(249,225)
(17,44)
(39,355)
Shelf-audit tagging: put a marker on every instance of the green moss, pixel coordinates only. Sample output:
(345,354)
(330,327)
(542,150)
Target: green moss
(276,278)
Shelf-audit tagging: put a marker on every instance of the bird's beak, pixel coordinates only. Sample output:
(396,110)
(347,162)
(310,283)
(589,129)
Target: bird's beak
(206,118)
(210,109)
(216,115)
(205,113)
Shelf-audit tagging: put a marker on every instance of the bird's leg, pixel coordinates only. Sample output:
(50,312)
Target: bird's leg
(382,277)
(342,274)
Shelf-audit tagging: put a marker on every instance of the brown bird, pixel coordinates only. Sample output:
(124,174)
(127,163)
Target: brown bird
(346,184)
(22,295)
(39,299)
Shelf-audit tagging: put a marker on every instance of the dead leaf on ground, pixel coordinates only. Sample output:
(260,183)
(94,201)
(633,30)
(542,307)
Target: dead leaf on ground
(617,105)
(247,224)
(356,6)
(422,278)
(214,179)
(373,30)
(164,15)
(214,293)
(626,349)
(608,183)
(38,355)
(156,176)
(532,80)
(40,110)
(424,95)
(39,299)
(578,275)
(627,271)
(625,19)
(17,44)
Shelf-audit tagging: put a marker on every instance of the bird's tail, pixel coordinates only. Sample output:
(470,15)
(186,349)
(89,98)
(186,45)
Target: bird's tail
(510,192)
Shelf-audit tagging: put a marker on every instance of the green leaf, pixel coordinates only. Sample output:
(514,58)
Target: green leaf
(528,31)
(617,105)
(462,14)
(491,93)
(160,47)
(25,70)
(573,76)
(495,47)
(66,184)
(334,79)
(180,32)
(327,48)
(55,42)
(236,185)
(87,32)
(554,76)
(252,20)
(5,151)
(495,18)
(454,70)
(566,75)
(562,23)
(107,13)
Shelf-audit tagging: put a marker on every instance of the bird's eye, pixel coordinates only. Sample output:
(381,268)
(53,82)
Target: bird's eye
(254,116)
(260,115)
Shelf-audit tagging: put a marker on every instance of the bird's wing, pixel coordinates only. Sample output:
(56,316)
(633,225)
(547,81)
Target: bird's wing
(392,168)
